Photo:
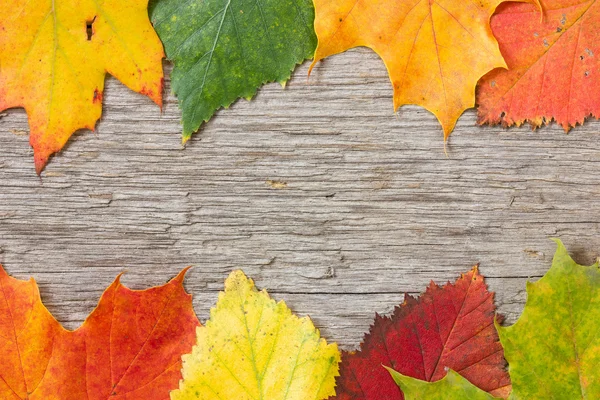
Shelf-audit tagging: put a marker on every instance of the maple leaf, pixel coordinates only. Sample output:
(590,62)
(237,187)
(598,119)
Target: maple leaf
(553,350)
(255,348)
(435,51)
(226,49)
(451,387)
(553,71)
(128,348)
(55,55)
(446,327)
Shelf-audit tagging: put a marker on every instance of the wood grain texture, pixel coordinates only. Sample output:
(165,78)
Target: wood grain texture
(319,192)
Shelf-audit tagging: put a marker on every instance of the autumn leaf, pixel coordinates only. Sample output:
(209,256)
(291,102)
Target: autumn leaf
(128,348)
(223,50)
(435,51)
(54,56)
(553,71)
(553,350)
(255,348)
(451,387)
(446,327)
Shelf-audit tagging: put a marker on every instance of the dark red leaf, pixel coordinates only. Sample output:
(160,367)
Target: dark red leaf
(446,327)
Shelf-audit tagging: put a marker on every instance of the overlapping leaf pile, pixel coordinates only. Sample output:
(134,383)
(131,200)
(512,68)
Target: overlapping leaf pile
(553,350)
(445,344)
(131,347)
(536,61)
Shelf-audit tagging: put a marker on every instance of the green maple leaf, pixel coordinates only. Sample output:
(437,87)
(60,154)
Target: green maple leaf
(451,387)
(226,49)
(553,350)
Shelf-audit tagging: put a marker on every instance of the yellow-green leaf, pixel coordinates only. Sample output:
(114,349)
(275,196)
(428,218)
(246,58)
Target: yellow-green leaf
(553,350)
(255,348)
(451,387)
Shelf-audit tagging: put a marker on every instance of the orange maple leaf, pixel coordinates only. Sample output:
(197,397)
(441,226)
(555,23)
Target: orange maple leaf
(553,67)
(129,347)
(54,56)
(435,51)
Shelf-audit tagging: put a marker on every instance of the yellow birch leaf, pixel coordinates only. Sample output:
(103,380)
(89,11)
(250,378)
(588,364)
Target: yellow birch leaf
(255,348)
(54,55)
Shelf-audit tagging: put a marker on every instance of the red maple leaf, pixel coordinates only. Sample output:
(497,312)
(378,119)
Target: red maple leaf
(552,60)
(446,327)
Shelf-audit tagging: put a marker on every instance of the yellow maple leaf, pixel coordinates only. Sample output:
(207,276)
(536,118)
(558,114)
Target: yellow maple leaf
(255,348)
(54,55)
(435,51)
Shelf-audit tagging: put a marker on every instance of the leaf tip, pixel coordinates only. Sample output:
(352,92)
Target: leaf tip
(3,273)
(236,279)
(396,376)
(447,127)
(117,280)
(561,250)
(181,275)
(40,163)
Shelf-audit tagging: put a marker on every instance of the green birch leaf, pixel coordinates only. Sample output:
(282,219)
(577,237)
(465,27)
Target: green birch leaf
(226,49)
(553,350)
(451,387)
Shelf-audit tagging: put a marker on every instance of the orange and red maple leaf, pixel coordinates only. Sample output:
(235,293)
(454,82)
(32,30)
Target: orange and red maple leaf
(129,347)
(553,66)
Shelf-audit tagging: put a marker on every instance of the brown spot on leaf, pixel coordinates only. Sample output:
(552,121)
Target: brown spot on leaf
(97,96)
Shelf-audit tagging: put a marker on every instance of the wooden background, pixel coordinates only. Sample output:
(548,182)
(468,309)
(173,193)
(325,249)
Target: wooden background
(319,192)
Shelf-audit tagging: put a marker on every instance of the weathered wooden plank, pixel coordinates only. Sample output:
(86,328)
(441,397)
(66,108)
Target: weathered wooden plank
(317,191)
